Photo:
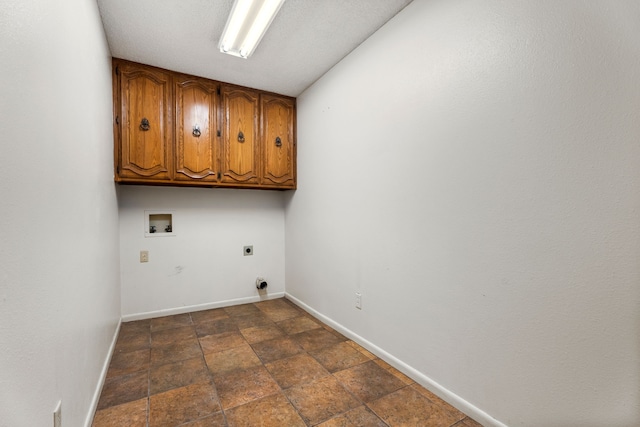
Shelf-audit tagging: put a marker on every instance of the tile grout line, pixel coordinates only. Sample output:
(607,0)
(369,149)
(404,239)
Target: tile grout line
(210,375)
(281,391)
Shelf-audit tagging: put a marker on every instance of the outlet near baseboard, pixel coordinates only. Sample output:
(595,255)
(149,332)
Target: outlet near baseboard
(57,415)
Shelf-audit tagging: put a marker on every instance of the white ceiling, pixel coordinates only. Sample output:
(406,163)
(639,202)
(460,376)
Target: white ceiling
(305,40)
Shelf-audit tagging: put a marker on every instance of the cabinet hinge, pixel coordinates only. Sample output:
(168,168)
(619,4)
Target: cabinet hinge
(117,70)
(117,120)
(218,90)
(218,133)
(118,170)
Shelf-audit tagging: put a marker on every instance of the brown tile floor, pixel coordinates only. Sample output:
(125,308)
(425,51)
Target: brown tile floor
(263,364)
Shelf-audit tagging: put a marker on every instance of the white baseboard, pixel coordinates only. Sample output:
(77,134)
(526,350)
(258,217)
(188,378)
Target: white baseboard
(200,307)
(103,376)
(420,378)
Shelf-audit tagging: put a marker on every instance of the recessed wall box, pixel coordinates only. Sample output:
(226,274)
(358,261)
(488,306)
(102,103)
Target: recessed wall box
(159,224)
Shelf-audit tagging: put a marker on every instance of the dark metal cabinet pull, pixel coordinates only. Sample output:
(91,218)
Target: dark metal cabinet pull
(196,131)
(278,142)
(144,124)
(240,137)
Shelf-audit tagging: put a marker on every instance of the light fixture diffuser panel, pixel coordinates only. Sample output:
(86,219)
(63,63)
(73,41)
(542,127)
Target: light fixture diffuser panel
(246,25)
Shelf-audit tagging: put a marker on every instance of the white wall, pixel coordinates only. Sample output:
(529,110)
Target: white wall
(202,265)
(472,169)
(59,290)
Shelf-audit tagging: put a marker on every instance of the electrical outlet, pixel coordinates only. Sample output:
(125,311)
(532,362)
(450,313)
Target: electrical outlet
(57,415)
(248,250)
(358,300)
(144,256)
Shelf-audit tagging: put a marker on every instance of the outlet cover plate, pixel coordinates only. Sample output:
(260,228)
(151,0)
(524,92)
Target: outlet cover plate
(57,415)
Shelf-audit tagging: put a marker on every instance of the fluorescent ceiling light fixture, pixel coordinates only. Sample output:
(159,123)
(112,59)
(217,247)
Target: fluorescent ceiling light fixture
(246,25)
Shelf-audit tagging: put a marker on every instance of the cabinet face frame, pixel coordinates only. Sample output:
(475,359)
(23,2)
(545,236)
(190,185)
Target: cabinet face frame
(197,129)
(277,126)
(144,154)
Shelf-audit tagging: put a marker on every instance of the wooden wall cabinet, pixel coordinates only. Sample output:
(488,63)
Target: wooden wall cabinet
(143,111)
(175,129)
(197,140)
(278,142)
(240,149)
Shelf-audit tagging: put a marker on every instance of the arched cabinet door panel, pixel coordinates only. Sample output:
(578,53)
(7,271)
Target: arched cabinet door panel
(145,122)
(278,141)
(240,150)
(196,130)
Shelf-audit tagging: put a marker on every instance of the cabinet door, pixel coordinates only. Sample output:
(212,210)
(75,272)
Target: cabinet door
(278,141)
(145,144)
(196,130)
(240,136)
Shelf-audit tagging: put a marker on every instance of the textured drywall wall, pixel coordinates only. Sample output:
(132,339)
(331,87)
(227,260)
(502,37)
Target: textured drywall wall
(472,170)
(202,262)
(59,283)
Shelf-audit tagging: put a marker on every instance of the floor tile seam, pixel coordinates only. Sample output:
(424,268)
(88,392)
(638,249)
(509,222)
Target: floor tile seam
(148,411)
(130,336)
(193,329)
(282,392)
(209,382)
(229,348)
(173,343)
(126,332)
(200,322)
(185,386)
(344,386)
(118,352)
(149,392)
(203,417)
(345,413)
(403,383)
(119,378)
(251,401)
(125,374)
(439,404)
(389,369)
(171,327)
(339,370)
(160,365)
(210,375)
(300,384)
(257,326)
(466,417)
(310,424)
(395,391)
(166,328)
(198,335)
(295,408)
(108,408)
